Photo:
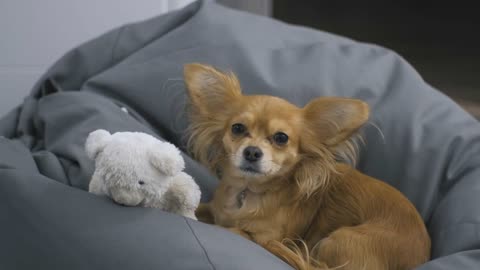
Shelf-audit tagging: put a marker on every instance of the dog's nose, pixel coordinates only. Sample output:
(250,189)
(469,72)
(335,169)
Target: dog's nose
(252,153)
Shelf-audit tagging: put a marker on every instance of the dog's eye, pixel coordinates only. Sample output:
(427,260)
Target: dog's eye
(280,138)
(238,129)
(141,182)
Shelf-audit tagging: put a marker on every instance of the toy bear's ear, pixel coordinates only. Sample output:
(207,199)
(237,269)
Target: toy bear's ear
(166,158)
(96,142)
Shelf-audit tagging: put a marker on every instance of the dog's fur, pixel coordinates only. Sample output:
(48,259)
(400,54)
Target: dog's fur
(298,190)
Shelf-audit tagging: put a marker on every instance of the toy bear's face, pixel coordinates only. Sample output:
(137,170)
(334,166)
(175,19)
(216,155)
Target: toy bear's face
(135,168)
(128,175)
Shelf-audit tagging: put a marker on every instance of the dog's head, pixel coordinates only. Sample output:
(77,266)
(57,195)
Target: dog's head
(261,137)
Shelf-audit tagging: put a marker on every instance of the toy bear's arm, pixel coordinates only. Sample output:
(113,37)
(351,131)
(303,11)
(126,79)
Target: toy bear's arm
(97,185)
(183,196)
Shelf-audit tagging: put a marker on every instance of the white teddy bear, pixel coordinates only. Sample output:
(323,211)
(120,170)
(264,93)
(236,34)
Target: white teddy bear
(136,169)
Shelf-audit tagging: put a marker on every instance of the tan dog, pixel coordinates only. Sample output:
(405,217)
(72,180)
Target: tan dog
(280,179)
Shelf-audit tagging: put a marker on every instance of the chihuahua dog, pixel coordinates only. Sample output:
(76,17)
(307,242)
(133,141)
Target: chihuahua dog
(282,182)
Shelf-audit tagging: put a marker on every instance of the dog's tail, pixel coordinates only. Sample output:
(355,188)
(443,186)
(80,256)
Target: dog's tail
(295,254)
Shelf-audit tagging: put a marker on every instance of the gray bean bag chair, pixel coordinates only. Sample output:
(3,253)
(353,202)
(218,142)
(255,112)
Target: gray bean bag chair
(130,79)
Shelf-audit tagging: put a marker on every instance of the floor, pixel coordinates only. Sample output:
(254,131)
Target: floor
(441,41)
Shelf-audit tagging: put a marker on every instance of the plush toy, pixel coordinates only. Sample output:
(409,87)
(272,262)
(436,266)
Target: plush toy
(136,169)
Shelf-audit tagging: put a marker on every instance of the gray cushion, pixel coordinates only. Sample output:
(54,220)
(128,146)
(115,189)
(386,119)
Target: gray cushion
(427,148)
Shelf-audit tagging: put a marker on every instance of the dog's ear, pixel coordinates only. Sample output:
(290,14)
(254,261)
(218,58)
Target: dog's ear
(332,120)
(210,90)
(96,142)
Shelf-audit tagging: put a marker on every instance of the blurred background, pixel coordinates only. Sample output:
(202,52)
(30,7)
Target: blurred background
(441,40)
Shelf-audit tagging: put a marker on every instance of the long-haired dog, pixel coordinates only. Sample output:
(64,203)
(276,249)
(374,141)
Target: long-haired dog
(281,180)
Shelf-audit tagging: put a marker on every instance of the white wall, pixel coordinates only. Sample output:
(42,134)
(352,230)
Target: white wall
(35,33)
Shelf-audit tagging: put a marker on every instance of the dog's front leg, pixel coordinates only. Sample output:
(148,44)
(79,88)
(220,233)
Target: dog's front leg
(204,213)
(240,232)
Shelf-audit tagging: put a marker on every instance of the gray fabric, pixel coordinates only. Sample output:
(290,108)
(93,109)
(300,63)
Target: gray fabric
(428,150)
